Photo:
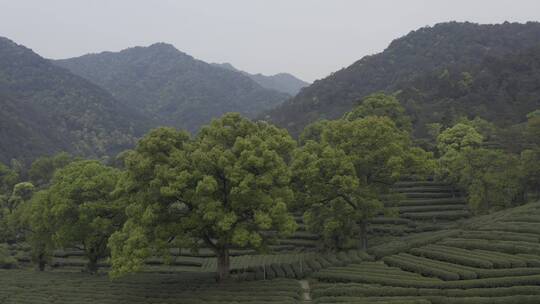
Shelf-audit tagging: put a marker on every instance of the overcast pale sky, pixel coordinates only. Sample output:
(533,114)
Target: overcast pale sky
(309,38)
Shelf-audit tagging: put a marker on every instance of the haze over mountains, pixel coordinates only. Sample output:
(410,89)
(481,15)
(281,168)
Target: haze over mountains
(446,50)
(173,87)
(99,104)
(282,82)
(45,109)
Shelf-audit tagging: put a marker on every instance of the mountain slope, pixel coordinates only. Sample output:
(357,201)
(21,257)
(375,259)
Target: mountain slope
(426,50)
(46,109)
(282,82)
(172,86)
(501,89)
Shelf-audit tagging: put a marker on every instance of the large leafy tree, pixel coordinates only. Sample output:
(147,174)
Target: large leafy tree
(226,188)
(344,178)
(83,212)
(492,179)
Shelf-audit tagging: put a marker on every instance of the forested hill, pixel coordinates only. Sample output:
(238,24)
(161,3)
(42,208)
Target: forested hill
(172,86)
(282,82)
(502,90)
(45,109)
(425,51)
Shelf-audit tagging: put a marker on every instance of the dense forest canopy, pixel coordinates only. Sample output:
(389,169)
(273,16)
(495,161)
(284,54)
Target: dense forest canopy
(46,109)
(472,48)
(173,87)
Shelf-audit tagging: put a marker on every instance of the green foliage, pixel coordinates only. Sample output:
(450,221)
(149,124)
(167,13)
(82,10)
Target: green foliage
(82,209)
(8,178)
(342,178)
(6,260)
(35,218)
(530,160)
(487,129)
(172,86)
(42,169)
(380,104)
(441,72)
(458,138)
(46,109)
(313,131)
(490,178)
(11,211)
(226,187)
(533,127)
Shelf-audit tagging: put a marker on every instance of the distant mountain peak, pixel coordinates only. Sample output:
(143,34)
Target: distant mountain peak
(282,82)
(45,109)
(172,86)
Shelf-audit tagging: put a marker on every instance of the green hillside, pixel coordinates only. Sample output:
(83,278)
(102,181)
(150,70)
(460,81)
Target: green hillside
(281,82)
(420,58)
(173,87)
(45,109)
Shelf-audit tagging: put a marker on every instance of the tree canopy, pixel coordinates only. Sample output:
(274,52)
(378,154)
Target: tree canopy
(342,179)
(226,188)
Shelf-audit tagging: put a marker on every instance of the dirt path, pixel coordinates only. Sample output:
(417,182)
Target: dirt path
(306,291)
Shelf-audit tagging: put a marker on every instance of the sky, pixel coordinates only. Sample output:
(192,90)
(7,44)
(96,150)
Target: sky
(308,38)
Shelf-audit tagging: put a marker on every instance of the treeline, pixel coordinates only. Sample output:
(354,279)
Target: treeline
(237,184)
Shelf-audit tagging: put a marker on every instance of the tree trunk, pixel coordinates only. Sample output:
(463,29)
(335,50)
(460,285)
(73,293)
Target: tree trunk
(41,262)
(223,264)
(92,266)
(363,235)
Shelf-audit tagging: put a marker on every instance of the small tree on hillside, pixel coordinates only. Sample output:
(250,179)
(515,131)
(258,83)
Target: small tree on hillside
(380,104)
(227,188)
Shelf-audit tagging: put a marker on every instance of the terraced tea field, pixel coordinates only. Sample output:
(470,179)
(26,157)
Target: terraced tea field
(182,288)
(431,253)
(423,206)
(493,259)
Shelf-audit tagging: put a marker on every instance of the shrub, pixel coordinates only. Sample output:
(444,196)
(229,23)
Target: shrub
(465,273)
(410,242)
(429,271)
(502,246)
(451,258)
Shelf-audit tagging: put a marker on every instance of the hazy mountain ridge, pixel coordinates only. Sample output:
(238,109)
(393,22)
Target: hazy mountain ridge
(422,51)
(282,82)
(46,109)
(172,86)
